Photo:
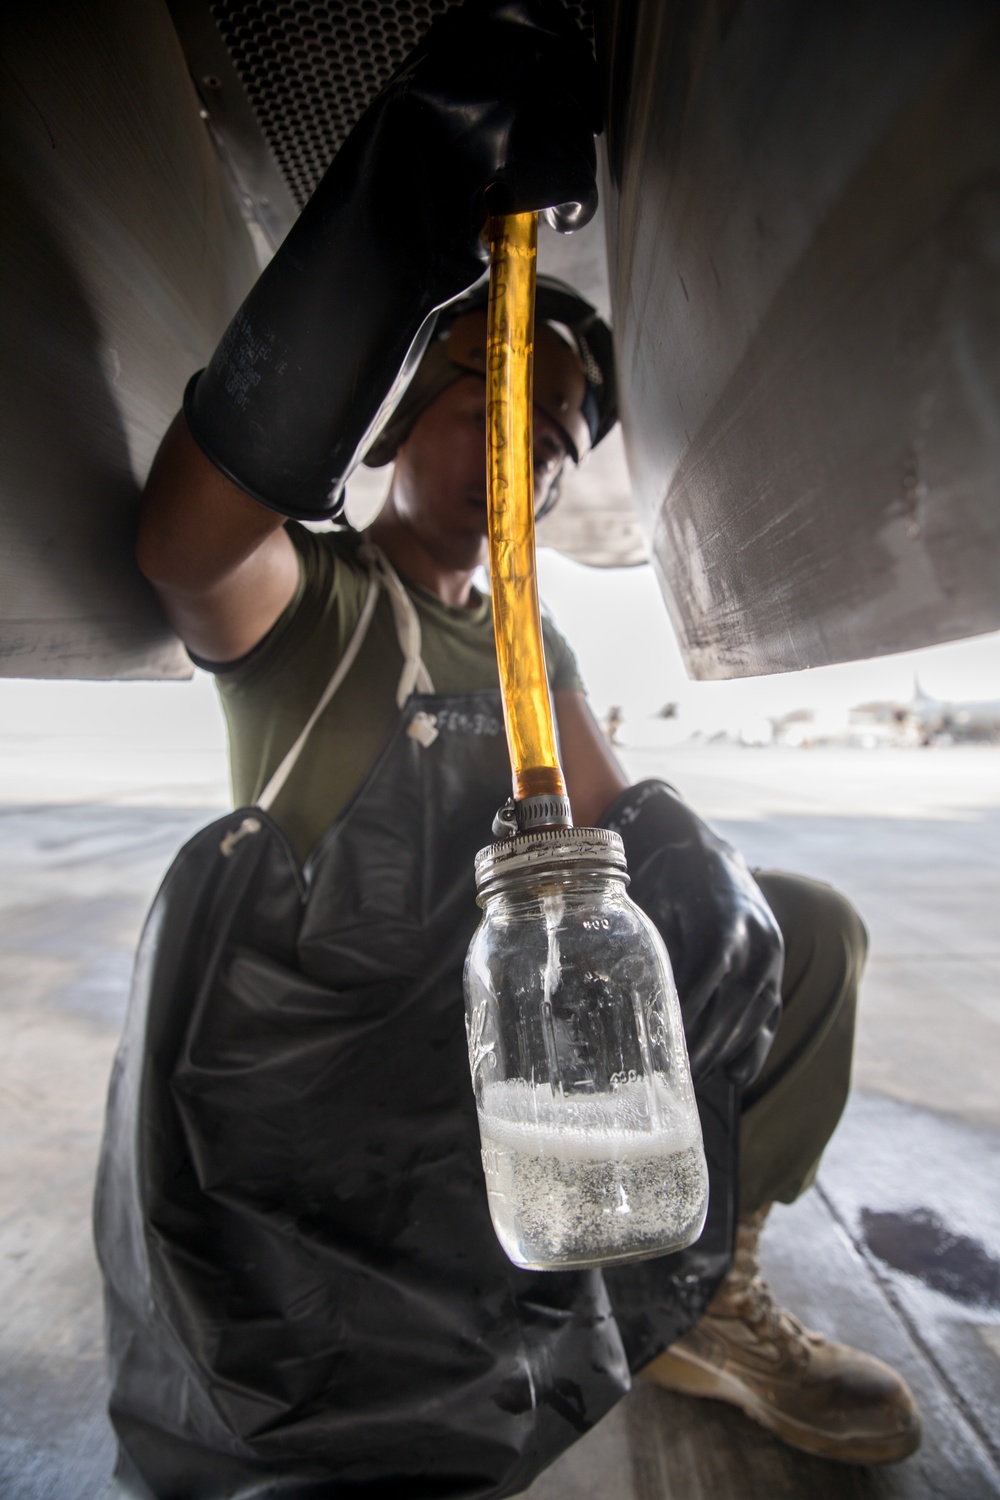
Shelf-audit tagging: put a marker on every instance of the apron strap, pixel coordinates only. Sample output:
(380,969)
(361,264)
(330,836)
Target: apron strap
(414,674)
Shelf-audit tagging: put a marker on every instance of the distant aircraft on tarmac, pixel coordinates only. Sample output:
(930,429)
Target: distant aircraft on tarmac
(932,721)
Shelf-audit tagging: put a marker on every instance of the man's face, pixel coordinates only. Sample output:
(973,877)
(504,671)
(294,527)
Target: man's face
(439,484)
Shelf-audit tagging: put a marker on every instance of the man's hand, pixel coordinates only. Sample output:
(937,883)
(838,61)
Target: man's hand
(725,946)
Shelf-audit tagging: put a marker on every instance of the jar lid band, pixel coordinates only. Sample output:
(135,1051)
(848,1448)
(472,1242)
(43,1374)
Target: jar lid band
(551,849)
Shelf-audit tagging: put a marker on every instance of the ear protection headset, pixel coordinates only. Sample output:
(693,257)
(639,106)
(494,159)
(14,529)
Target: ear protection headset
(574,375)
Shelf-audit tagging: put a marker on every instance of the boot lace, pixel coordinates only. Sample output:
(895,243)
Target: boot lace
(747,1297)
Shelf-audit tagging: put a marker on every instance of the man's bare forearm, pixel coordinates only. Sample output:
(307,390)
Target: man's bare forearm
(221,563)
(593,776)
(195,525)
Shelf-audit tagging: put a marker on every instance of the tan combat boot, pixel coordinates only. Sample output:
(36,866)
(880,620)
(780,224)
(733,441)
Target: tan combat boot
(821,1397)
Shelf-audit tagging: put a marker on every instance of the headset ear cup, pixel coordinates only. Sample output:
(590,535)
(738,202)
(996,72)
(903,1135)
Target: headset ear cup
(552,498)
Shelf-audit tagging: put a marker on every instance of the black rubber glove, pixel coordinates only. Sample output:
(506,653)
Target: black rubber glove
(494,112)
(725,946)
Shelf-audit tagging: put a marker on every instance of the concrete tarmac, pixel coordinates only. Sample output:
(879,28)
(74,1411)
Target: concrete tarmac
(898,1249)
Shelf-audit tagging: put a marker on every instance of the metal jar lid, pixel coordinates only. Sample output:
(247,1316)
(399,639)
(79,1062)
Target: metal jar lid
(553,850)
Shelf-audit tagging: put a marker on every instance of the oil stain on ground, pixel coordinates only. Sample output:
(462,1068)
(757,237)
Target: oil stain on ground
(920,1244)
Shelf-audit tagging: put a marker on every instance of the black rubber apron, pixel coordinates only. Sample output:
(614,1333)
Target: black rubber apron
(305,1294)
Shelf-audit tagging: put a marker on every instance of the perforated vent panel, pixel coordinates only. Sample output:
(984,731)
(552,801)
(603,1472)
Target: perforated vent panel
(311,67)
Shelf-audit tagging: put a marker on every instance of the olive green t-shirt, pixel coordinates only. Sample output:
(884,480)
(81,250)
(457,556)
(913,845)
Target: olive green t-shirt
(269,694)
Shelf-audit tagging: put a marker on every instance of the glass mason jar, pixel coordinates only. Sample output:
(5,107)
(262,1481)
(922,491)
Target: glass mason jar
(591,1141)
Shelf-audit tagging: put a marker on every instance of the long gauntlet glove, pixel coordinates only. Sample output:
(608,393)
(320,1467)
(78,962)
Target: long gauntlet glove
(724,944)
(495,111)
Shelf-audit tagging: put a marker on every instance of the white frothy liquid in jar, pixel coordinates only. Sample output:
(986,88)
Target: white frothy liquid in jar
(578,1179)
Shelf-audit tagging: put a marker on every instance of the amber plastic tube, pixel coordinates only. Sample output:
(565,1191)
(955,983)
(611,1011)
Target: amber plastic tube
(527,707)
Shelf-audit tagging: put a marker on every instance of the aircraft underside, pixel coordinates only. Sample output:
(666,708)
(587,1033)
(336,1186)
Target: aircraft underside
(802,212)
